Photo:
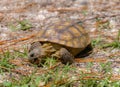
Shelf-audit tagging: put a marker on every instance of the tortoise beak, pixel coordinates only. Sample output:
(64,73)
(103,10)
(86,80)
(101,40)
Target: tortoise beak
(34,56)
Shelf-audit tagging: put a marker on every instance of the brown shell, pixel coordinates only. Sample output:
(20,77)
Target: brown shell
(65,33)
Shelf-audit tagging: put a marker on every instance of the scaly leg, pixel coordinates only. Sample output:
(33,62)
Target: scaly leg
(66,56)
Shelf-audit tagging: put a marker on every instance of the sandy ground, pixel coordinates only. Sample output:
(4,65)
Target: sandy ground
(41,13)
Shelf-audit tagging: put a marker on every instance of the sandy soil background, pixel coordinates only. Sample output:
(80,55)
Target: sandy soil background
(41,13)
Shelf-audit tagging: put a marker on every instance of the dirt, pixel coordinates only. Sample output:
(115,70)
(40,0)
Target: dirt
(42,12)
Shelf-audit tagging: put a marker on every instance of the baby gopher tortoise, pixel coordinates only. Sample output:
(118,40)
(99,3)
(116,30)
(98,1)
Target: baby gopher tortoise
(62,40)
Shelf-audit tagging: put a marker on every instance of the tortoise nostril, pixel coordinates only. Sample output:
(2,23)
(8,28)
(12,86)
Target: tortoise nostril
(32,55)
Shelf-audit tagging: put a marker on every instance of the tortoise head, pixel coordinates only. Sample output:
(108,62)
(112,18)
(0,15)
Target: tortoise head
(36,53)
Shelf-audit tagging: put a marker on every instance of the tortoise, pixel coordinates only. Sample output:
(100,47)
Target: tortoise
(62,40)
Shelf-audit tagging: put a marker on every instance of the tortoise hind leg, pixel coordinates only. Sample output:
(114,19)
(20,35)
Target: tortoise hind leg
(66,56)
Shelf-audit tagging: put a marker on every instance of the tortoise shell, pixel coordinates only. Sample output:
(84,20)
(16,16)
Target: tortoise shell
(65,33)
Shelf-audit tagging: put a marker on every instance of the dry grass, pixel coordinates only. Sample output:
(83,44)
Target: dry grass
(101,19)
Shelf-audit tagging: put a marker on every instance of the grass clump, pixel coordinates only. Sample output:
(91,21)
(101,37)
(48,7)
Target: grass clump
(115,43)
(54,74)
(96,42)
(4,60)
(20,25)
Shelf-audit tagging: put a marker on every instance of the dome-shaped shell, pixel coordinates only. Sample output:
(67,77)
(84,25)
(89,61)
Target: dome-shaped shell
(65,33)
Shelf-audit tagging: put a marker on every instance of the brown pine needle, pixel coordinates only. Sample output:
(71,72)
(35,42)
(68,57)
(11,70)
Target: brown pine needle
(9,43)
(68,9)
(39,72)
(81,60)
(17,40)
(59,82)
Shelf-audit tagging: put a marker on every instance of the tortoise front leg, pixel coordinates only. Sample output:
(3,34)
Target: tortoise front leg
(66,56)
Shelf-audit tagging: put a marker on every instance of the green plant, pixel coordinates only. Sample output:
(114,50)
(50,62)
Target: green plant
(4,61)
(115,43)
(102,24)
(96,42)
(57,76)
(20,25)
(106,67)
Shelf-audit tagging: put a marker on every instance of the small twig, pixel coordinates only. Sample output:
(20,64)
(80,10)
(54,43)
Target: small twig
(4,68)
(12,42)
(67,9)
(19,10)
(59,82)
(45,71)
(98,16)
(13,70)
(17,40)
(79,60)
